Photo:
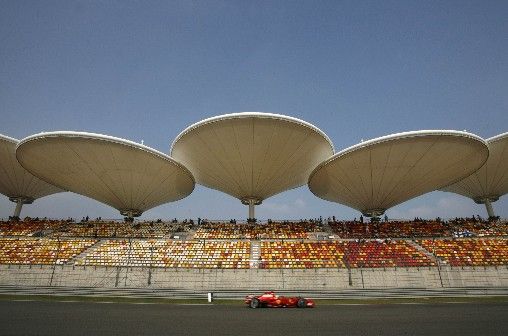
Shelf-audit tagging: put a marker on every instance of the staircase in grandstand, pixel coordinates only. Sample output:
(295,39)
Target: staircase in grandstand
(83,254)
(255,252)
(424,251)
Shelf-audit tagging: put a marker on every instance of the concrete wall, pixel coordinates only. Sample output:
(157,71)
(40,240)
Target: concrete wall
(255,279)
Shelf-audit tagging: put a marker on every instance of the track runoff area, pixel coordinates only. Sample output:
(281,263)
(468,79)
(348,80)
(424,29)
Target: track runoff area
(32,317)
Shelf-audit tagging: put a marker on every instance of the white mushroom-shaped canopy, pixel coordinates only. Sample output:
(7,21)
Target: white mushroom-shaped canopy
(15,181)
(251,155)
(378,174)
(123,174)
(490,181)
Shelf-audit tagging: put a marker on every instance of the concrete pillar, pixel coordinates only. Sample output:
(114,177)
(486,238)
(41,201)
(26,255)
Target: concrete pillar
(252,204)
(17,210)
(20,200)
(490,209)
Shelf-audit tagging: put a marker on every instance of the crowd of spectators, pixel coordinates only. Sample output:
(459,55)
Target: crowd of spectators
(111,229)
(97,228)
(418,228)
(477,227)
(271,230)
(29,226)
(392,229)
(418,243)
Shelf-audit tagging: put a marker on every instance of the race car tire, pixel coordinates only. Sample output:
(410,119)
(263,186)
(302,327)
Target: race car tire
(302,303)
(254,303)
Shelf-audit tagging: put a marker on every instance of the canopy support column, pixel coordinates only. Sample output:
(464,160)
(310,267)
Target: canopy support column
(17,210)
(251,202)
(487,200)
(490,209)
(252,206)
(20,201)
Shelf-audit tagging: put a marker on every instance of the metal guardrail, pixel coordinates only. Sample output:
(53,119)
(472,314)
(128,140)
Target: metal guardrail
(238,294)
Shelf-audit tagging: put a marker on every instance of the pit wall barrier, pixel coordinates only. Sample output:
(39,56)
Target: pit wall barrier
(255,279)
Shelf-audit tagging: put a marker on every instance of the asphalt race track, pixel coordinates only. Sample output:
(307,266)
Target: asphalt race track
(82,318)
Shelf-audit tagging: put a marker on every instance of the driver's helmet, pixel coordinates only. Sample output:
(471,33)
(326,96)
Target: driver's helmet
(270,293)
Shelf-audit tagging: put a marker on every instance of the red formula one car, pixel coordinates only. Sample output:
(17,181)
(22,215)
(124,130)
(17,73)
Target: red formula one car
(269,299)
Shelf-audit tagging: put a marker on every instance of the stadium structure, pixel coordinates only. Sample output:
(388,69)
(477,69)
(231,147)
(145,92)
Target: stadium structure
(253,156)
(381,173)
(490,182)
(17,183)
(123,174)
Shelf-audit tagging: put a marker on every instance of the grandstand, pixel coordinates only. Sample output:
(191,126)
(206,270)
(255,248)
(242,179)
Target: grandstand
(163,253)
(130,177)
(272,230)
(281,244)
(112,229)
(276,153)
(41,251)
(214,255)
(469,252)
(366,254)
(28,227)
(18,184)
(380,173)
(393,229)
(296,254)
(490,182)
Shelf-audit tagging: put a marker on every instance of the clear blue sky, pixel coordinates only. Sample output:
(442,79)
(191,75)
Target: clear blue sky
(355,69)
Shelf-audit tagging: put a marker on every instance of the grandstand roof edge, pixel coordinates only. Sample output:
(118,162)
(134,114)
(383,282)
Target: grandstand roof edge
(248,115)
(396,136)
(8,138)
(498,137)
(97,136)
